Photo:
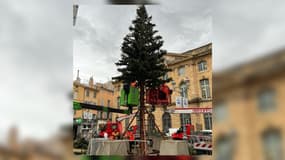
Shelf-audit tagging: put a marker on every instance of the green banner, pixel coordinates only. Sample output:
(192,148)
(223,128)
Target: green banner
(76,106)
(78,121)
(105,109)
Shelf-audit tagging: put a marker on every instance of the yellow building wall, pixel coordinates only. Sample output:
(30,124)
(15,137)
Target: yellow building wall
(192,73)
(102,96)
(245,119)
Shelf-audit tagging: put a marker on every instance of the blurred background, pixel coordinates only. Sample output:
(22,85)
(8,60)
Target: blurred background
(248,80)
(36,79)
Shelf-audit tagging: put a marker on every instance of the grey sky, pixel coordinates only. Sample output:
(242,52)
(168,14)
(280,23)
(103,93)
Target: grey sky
(36,48)
(244,30)
(100,30)
(35,66)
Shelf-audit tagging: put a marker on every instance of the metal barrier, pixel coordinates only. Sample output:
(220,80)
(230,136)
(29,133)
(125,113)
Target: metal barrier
(201,144)
(197,138)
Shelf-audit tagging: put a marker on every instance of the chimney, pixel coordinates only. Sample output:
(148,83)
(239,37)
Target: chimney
(75,11)
(91,82)
(13,138)
(78,78)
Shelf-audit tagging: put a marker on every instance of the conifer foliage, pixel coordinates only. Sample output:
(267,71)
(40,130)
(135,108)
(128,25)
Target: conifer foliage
(142,57)
(142,62)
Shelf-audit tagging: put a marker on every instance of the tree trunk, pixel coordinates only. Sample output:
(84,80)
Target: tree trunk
(142,119)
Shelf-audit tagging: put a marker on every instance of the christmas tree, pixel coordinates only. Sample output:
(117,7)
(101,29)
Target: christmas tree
(142,60)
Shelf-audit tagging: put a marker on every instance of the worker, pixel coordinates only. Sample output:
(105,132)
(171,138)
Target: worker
(119,125)
(131,137)
(180,130)
(115,134)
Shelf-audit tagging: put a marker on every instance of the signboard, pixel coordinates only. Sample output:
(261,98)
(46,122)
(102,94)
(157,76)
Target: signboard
(76,106)
(90,116)
(178,102)
(191,110)
(104,115)
(87,115)
(185,102)
(181,102)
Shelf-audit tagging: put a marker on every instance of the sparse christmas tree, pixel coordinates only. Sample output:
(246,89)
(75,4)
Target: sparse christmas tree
(142,60)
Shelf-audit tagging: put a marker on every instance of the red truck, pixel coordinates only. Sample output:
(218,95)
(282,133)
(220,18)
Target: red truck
(179,134)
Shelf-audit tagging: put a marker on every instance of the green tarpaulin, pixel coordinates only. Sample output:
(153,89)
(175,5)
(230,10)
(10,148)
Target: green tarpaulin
(131,99)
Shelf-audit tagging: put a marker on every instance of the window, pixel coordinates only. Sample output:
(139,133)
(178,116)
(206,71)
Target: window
(208,120)
(87,92)
(102,102)
(99,115)
(272,145)
(220,111)
(202,66)
(110,116)
(151,123)
(108,103)
(181,70)
(224,148)
(205,88)
(94,94)
(166,121)
(266,100)
(184,89)
(118,102)
(104,115)
(185,118)
(75,95)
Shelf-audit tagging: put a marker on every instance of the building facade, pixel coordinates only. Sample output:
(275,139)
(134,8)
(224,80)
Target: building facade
(87,121)
(56,147)
(192,79)
(248,110)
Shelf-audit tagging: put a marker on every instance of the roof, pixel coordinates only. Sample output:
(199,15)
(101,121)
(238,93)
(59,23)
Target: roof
(191,54)
(175,55)
(199,49)
(260,68)
(97,86)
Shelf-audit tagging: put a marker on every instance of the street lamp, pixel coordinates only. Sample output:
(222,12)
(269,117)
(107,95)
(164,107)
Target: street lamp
(75,11)
(183,93)
(184,90)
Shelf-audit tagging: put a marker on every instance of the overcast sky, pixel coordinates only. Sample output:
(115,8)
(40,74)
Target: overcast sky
(240,31)
(36,48)
(100,30)
(244,30)
(35,66)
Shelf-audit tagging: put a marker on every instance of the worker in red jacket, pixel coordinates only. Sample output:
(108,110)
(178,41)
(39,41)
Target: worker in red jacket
(115,134)
(130,135)
(119,126)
